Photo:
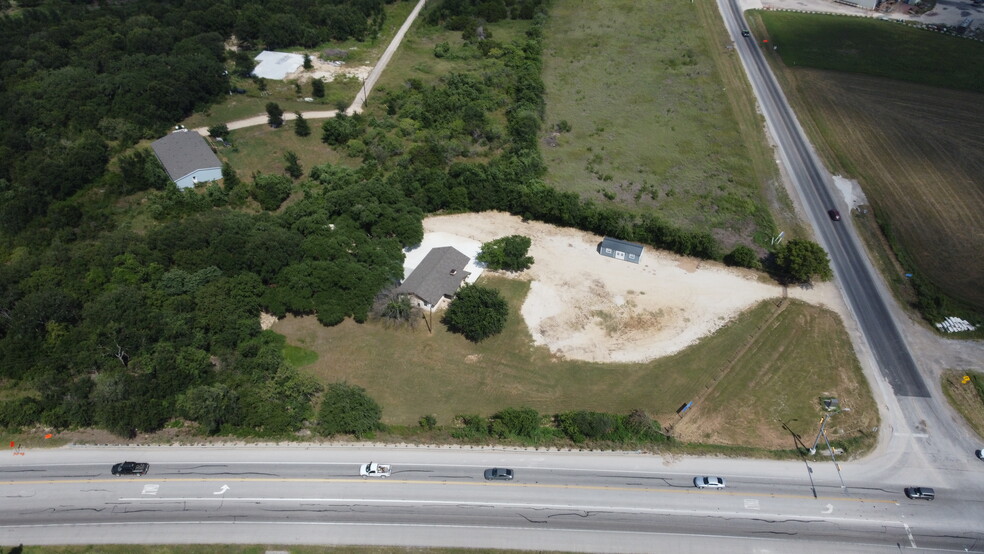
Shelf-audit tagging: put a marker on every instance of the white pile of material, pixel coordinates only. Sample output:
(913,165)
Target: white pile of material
(954,325)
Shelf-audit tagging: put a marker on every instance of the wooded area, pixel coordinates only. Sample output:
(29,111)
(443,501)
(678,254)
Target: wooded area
(125,326)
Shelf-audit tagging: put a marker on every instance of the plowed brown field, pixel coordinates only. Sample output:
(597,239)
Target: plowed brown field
(919,154)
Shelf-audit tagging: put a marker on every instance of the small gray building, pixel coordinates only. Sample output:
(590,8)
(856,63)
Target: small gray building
(437,277)
(620,250)
(864,4)
(187,158)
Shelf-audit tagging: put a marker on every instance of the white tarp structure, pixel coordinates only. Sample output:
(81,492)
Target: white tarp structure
(276,65)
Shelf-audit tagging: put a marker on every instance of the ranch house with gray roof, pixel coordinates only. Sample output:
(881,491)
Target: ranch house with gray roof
(437,277)
(187,158)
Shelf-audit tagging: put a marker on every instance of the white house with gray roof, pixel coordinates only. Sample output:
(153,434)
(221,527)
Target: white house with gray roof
(187,158)
(437,277)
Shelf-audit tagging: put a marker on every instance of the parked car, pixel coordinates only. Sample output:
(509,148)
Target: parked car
(709,482)
(923,493)
(130,468)
(498,474)
(834,215)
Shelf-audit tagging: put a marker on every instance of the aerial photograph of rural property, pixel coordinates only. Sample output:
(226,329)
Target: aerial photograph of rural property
(389,276)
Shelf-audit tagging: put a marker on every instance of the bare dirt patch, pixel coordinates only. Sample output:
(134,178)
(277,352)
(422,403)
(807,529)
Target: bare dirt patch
(328,71)
(585,306)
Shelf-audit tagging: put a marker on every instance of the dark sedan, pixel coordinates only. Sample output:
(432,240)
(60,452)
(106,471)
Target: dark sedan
(498,474)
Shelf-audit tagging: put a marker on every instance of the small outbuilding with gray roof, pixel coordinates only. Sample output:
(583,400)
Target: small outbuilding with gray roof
(437,277)
(620,250)
(187,158)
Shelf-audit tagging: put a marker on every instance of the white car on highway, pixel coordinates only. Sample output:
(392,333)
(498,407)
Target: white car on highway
(709,482)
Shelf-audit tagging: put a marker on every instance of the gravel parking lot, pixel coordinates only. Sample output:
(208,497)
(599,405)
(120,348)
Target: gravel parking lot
(585,306)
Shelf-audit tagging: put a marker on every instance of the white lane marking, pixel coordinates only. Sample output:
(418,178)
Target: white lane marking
(150,489)
(635,509)
(909,532)
(222,490)
(829,509)
(751,504)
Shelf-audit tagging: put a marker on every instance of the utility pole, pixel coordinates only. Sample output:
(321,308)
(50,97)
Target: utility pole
(836,465)
(823,423)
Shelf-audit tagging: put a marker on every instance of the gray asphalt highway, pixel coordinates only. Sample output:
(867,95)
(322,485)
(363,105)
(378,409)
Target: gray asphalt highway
(813,181)
(561,492)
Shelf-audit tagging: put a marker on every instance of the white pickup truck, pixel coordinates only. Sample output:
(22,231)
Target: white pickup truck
(372,469)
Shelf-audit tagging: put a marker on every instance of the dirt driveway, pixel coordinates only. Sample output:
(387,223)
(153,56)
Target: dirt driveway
(585,306)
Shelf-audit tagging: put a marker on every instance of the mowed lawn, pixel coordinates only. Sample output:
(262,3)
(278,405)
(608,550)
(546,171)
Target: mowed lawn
(652,126)
(803,354)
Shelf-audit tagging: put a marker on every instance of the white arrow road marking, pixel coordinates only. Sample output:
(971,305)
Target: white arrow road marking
(222,490)
(150,489)
(829,510)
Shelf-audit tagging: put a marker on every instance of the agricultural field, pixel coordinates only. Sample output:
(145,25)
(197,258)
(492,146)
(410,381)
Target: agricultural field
(642,88)
(781,373)
(875,47)
(918,151)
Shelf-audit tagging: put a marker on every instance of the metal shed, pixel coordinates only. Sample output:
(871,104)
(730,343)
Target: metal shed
(620,250)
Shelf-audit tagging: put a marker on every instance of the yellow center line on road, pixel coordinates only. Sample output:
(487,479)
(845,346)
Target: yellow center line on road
(680,490)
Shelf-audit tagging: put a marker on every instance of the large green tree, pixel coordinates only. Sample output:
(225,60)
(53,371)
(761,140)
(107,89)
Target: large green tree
(508,253)
(347,409)
(275,114)
(802,260)
(477,313)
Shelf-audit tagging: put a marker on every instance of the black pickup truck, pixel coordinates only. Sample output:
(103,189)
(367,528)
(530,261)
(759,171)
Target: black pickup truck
(130,468)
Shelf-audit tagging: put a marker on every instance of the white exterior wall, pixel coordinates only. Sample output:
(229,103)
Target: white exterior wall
(200,176)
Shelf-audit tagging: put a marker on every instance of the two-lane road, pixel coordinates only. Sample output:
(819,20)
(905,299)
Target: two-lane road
(814,183)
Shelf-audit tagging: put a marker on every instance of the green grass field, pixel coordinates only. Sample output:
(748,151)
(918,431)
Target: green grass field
(780,375)
(964,398)
(918,151)
(876,47)
(299,357)
(652,125)
(261,149)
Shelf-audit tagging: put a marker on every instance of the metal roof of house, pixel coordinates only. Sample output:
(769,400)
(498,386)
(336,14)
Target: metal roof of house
(276,65)
(439,274)
(184,152)
(623,245)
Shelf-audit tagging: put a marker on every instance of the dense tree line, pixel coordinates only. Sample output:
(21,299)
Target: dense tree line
(132,330)
(81,81)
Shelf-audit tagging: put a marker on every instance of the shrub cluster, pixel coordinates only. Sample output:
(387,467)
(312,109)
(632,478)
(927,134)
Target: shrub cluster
(580,427)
